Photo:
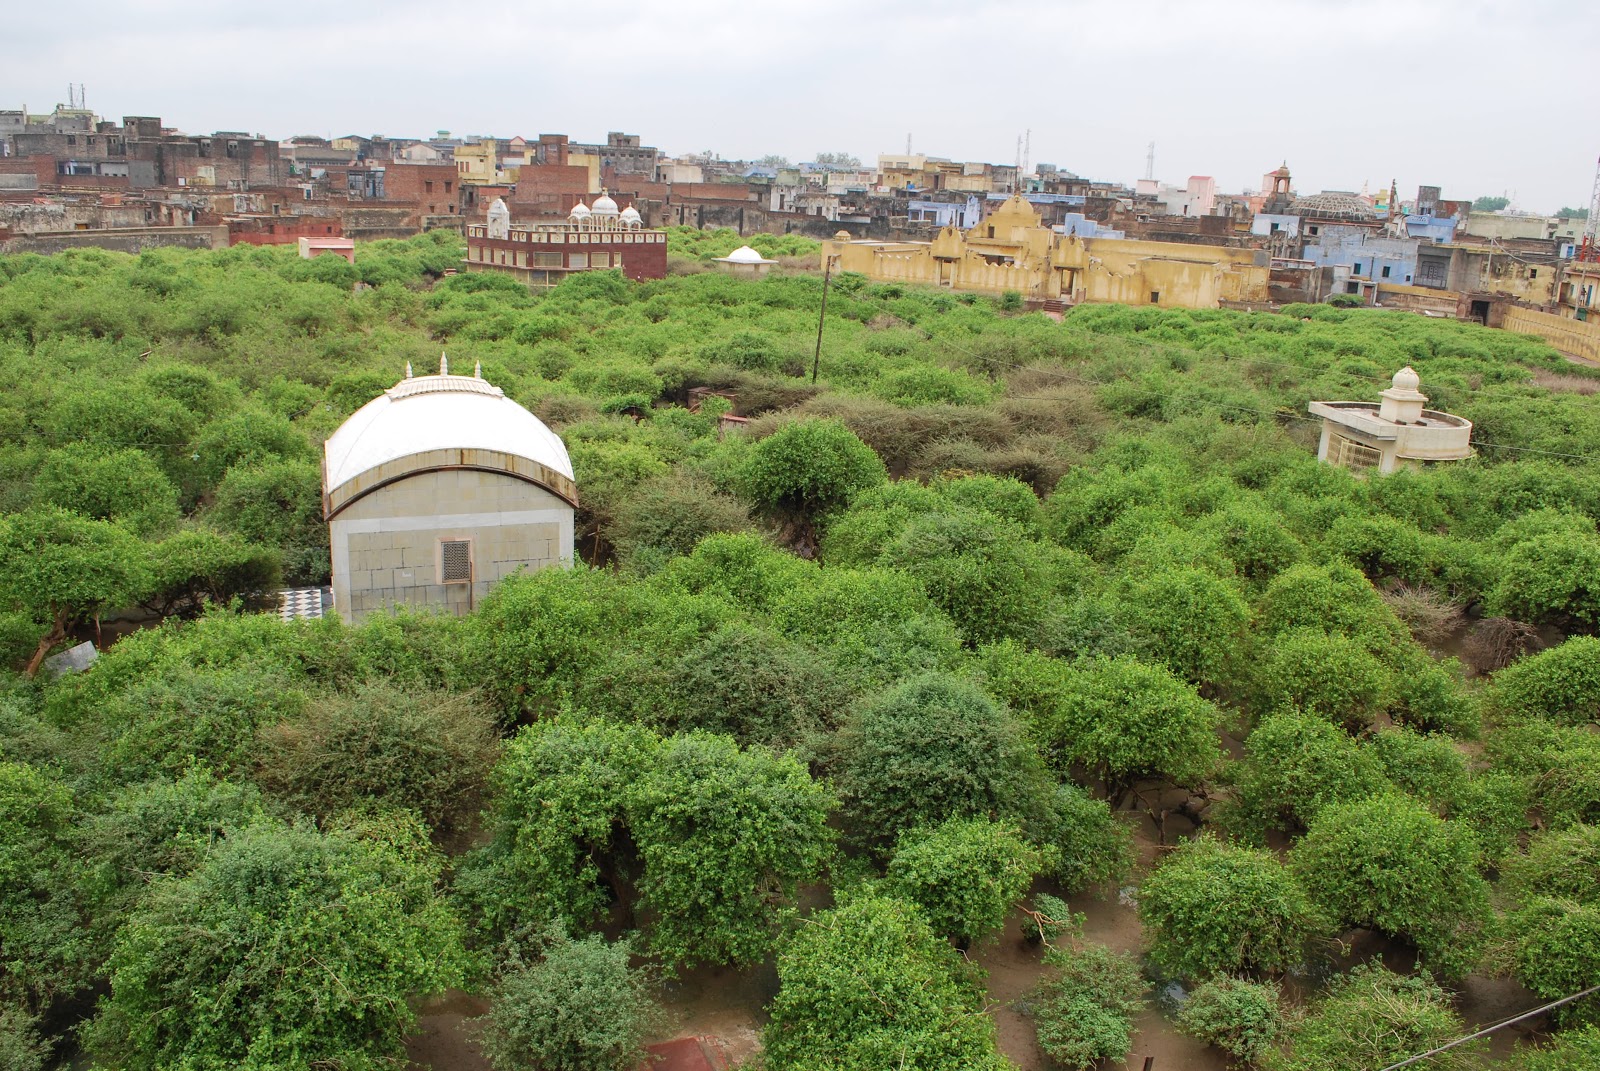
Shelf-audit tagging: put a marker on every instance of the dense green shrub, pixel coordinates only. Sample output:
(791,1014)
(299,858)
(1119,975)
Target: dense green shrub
(1214,908)
(579,1007)
(1389,863)
(1372,1017)
(866,986)
(383,746)
(1244,1019)
(965,874)
(304,983)
(1562,683)
(933,748)
(1084,1008)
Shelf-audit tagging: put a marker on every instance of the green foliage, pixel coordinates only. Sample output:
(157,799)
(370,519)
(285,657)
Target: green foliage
(1550,577)
(965,874)
(1571,1050)
(557,802)
(1331,676)
(1388,863)
(726,837)
(1371,1018)
(197,566)
(1193,619)
(57,568)
(667,517)
(867,985)
(1084,1010)
(930,749)
(121,485)
(1295,765)
(286,947)
(1215,908)
(1242,1018)
(1128,721)
(1562,683)
(1557,952)
(809,468)
(43,947)
(278,504)
(1086,842)
(579,1007)
(1490,204)
(382,746)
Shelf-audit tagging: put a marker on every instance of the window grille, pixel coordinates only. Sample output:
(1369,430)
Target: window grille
(455,561)
(1353,455)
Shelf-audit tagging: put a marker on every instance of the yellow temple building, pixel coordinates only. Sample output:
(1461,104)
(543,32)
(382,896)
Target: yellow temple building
(1013,250)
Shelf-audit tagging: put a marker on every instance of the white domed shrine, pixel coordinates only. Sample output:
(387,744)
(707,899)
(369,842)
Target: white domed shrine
(437,489)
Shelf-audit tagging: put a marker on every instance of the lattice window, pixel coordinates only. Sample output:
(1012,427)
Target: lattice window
(455,561)
(1352,454)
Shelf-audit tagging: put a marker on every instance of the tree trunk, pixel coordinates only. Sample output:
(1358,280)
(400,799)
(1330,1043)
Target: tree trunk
(57,633)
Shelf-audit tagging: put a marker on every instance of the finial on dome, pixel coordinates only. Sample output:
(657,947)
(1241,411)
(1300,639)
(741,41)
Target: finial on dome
(477,369)
(408,369)
(1406,379)
(444,365)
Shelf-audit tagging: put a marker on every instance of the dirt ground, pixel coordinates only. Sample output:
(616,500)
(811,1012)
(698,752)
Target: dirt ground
(727,1005)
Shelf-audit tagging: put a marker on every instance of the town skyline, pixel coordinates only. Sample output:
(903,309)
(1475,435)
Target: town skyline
(1346,93)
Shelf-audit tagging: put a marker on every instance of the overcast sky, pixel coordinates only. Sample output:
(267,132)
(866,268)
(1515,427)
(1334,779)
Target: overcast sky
(1478,96)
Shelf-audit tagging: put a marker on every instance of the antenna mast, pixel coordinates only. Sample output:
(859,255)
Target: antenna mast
(1150,162)
(1591,227)
(1027,154)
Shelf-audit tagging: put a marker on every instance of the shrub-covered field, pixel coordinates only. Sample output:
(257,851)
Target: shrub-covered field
(964,624)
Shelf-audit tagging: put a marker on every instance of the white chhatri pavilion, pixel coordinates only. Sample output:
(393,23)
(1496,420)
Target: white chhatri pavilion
(1393,433)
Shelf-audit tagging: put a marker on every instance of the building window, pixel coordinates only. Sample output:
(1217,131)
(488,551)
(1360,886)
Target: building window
(1155,297)
(1358,268)
(1533,273)
(1352,454)
(427,185)
(455,561)
(447,186)
(1352,288)
(1385,272)
(577,260)
(1316,230)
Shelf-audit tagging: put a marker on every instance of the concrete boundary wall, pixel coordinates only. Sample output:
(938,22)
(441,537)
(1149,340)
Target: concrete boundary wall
(1577,337)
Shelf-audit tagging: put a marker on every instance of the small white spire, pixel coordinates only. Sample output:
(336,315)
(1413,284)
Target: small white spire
(444,365)
(408,369)
(477,369)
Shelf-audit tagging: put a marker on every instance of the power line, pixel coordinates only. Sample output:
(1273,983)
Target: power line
(1491,1029)
(1274,414)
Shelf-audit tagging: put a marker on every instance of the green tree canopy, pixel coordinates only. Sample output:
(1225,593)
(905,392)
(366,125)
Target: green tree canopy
(867,986)
(1389,863)
(579,1006)
(965,874)
(935,747)
(287,947)
(1216,908)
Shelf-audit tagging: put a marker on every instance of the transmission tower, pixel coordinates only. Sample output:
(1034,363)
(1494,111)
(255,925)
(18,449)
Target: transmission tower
(1591,227)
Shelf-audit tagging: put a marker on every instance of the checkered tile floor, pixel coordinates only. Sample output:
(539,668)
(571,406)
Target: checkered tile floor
(296,603)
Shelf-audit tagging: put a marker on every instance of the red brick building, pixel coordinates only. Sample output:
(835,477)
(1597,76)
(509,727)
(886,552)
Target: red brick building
(281,230)
(543,253)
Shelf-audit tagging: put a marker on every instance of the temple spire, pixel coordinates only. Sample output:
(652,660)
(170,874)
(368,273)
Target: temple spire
(444,364)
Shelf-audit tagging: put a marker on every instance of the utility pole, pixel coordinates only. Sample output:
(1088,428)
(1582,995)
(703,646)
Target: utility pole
(827,276)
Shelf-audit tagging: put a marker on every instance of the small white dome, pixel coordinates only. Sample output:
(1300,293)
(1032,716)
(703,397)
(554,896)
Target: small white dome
(427,414)
(745,255)
(499,208)
(579,211)
(1406,379)
(604,205)
(630,215)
